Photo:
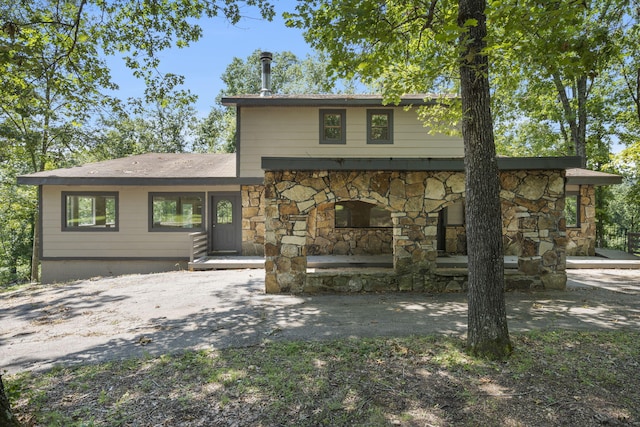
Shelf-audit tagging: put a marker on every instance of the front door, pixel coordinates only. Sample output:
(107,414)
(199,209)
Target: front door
(226,233)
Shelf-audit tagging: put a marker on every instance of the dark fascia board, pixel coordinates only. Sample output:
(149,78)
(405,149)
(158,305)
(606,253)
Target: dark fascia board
(57,180)
(594,180)
(102,258)
(322,102)
(412,164)
(532,163)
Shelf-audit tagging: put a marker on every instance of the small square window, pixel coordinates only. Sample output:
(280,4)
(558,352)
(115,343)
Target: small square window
(379,126)
(91,211)
(333,127)
(175,211)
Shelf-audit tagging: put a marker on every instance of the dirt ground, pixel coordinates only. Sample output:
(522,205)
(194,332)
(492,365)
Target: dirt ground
(120,317)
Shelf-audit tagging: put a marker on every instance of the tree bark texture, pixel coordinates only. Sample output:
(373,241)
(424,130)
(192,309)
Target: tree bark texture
(488,334)
(7,419)
(581,143)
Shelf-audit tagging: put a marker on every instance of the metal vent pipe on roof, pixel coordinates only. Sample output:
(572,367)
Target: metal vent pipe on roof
(265,58)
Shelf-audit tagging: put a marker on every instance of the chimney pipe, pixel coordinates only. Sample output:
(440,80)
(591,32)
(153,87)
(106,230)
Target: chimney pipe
(265,58)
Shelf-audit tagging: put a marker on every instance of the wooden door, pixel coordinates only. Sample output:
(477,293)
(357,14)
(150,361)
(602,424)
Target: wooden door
(226,218)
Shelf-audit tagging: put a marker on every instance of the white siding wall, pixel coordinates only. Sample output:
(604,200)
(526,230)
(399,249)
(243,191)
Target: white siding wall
(133,238)
(294,132)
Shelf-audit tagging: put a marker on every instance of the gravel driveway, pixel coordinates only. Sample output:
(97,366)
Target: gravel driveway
(126,316)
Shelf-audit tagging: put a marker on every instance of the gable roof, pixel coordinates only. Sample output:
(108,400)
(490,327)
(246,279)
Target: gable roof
(146,169)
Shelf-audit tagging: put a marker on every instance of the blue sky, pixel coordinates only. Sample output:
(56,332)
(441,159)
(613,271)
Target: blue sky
(203,62)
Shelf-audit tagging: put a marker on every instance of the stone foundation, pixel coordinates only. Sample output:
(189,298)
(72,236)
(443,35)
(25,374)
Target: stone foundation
(443,280)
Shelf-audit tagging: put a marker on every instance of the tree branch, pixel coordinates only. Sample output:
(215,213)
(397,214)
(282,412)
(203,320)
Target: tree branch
(570,116)
(634,92)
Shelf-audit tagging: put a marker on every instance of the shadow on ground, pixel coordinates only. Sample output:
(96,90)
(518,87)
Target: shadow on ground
(129,316)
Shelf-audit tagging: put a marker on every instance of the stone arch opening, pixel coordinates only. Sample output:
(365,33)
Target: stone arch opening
(350,227)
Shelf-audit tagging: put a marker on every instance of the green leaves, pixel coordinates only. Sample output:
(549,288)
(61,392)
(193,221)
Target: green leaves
(394,47)
(54,81)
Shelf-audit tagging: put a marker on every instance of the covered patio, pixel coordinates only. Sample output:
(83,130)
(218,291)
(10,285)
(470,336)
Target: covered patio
(414,192)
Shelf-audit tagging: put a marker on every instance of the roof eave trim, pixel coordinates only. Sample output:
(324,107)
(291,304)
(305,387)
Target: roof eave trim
(412,164)
(57,180)
(318,102)
(594,180)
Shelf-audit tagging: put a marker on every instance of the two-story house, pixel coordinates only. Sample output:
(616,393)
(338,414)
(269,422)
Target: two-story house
(312,175)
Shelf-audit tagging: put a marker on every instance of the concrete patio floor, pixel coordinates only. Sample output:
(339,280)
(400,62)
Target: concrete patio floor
(605,258)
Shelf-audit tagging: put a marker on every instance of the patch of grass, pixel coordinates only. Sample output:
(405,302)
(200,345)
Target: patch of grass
(575,377)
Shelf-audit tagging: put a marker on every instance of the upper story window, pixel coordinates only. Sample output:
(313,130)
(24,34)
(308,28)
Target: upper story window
(90,211)
(333,127)
(175,211)
(379,126)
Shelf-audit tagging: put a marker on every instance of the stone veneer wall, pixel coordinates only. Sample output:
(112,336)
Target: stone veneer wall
(532,204)
(252,220)
(582,240)
(534,225)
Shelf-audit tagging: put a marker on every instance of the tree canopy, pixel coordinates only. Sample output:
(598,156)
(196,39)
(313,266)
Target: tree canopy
(436,46)
(556,68)
(55,83)
(137,30)
(559,69)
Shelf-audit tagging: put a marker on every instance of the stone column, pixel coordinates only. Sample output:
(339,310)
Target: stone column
(532,211)
(285,252)
(272,236)
(252,220)
(414,248)
(553,236)
(286,211)
(401,257)
(588,219)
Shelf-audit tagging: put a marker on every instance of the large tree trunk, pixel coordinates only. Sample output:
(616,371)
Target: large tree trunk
(7,419)
(581,143)
(488,335)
